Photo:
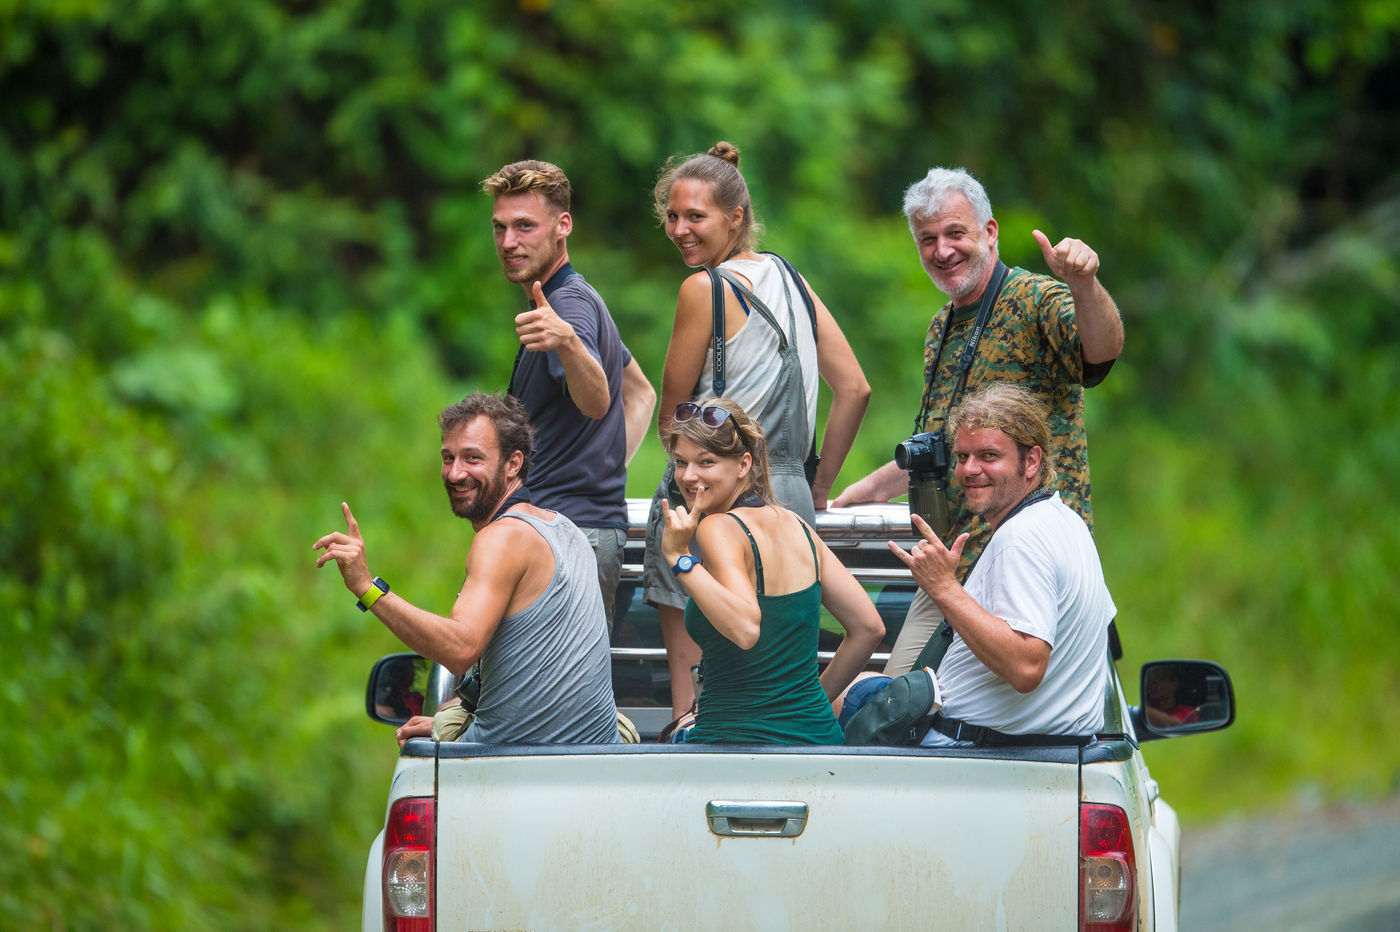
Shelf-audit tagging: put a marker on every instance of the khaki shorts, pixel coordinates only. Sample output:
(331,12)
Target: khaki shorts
(607,544)
(660,587)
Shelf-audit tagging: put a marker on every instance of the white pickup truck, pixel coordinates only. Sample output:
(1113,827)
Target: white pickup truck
(661,836)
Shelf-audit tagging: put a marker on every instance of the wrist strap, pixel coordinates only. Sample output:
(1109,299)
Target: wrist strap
(377,588)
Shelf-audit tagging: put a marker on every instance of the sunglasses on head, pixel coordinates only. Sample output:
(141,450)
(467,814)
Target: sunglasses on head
(710,415)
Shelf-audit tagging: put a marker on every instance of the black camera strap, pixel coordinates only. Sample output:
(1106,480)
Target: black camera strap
(969,353)
(717,333)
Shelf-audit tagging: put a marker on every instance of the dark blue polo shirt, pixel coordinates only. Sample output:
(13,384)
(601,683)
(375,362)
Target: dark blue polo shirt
(579,464)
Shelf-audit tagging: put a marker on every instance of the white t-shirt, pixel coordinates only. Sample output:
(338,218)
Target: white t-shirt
(1041,575)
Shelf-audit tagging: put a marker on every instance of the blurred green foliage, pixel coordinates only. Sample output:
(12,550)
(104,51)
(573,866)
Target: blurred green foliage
(244,261)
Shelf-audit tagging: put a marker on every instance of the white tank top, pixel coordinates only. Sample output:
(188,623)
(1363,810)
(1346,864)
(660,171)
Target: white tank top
(751,355)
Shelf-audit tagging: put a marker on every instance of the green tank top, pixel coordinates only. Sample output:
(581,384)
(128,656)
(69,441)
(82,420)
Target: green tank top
(770,693)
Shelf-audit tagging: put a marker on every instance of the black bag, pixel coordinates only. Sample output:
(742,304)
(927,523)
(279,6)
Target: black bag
(900,713)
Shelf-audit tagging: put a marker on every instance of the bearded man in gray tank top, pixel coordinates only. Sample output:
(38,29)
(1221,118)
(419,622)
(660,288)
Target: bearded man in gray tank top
(529,611)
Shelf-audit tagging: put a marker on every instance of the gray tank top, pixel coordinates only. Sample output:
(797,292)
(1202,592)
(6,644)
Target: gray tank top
(546,676)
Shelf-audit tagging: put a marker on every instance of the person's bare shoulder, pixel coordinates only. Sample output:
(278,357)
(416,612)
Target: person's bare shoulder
(696,287)
(507,542)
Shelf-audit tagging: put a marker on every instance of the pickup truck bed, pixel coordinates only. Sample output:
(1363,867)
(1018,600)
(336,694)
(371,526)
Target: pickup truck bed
(654,836)
(657,838)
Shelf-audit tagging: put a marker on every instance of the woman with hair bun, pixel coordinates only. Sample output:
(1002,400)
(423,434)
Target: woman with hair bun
(755,594)
(774,354)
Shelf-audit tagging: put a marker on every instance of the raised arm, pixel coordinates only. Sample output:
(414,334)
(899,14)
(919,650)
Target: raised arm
(840,370)
(638,403)
(723,585)
(493,573)
(1095,313)
(541,330)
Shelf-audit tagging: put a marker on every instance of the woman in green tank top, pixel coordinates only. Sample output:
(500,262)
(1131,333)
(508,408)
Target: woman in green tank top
(756,590)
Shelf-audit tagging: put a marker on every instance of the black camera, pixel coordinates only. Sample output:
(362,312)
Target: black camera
(925,457)
(925,454)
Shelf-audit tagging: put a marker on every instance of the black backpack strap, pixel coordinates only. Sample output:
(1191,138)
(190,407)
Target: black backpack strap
(717,304)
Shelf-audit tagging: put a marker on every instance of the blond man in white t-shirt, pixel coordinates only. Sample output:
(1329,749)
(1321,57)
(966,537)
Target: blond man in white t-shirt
(1030,645)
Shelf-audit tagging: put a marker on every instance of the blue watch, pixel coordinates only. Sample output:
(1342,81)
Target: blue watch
(378,588)
(685,564)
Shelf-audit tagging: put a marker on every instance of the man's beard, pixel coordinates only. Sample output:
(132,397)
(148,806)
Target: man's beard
(534,269)
(973,270)
(488,498)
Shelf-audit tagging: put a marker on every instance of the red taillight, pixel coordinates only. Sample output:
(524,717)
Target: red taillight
(408,866)
(1107,870)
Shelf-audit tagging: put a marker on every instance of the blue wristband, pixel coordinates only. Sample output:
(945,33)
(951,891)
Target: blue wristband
(685,564)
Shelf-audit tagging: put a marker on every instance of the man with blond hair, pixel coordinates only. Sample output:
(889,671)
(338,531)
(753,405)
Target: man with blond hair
(1030,648)
(587,398)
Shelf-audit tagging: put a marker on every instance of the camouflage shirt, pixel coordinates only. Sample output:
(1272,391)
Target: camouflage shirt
(1032,340)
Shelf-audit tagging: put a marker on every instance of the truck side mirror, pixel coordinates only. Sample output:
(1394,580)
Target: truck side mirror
(1184,697)
(397,685)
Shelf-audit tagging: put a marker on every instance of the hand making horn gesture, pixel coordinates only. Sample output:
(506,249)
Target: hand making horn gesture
(678,529)
(933,565)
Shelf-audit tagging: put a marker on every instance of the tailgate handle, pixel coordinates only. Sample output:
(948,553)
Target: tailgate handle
(756,818)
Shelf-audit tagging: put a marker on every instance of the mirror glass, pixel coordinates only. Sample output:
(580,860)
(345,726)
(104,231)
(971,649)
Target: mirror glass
(1180,696)
(397,687)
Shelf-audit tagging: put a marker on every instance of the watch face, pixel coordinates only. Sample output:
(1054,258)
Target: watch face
(685,564)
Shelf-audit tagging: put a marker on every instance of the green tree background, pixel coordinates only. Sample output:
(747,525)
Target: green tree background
(244,262)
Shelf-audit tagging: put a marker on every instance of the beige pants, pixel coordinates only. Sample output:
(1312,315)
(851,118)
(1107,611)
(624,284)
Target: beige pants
(607,544)
(921,621)
(451,722)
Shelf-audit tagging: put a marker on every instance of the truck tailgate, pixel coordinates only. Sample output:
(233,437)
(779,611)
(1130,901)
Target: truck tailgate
(962,842)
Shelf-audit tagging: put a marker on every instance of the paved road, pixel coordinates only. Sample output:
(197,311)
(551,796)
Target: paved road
(1336,868)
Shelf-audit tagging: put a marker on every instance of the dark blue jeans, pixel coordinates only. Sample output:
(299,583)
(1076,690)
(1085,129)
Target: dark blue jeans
(860,694)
